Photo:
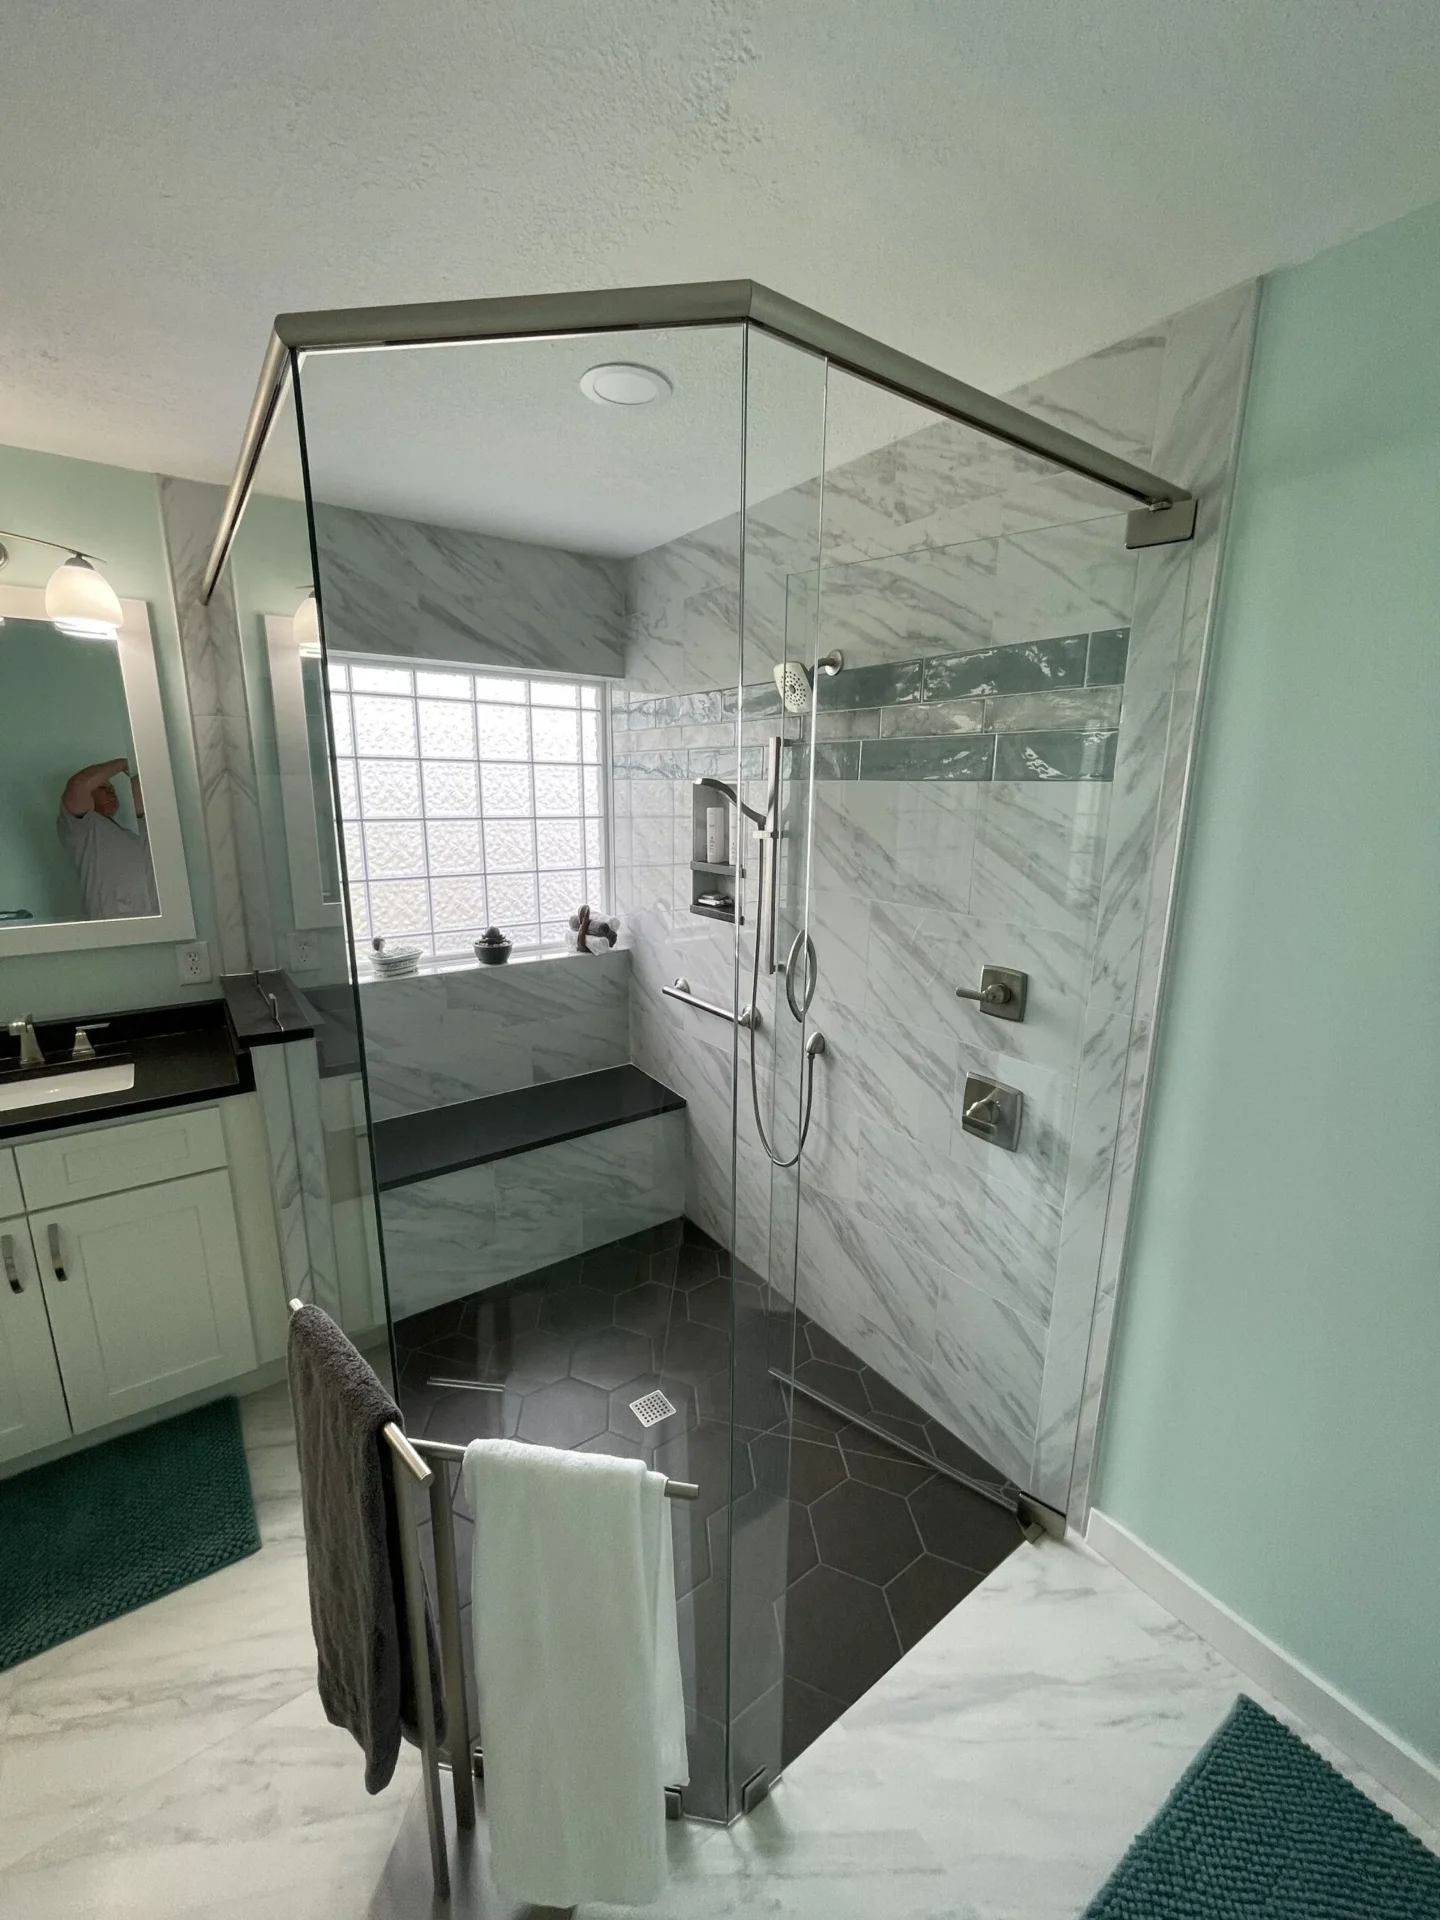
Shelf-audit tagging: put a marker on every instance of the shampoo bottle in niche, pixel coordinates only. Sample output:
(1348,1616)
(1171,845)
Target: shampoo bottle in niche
(717,835)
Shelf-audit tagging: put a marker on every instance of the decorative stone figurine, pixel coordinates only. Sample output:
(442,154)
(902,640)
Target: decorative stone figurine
(587,927)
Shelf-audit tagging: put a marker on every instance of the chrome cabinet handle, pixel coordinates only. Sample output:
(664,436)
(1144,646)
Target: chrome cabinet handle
(802,943)
(12,1272)
(57,1262)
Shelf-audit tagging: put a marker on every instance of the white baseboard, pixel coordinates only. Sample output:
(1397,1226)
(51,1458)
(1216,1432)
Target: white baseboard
(1383,1754)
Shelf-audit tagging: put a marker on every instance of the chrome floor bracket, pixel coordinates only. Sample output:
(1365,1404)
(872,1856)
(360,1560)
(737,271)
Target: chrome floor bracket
(755,1789)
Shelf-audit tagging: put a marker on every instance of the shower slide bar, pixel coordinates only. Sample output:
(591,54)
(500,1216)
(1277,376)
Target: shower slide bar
(747,1016)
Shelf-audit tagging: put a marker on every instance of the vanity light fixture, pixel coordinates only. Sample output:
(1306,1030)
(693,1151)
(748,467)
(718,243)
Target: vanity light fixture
(306,629)
(618,384)
(79,600)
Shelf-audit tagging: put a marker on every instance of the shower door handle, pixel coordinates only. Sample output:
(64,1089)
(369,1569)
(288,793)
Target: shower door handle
(802,943)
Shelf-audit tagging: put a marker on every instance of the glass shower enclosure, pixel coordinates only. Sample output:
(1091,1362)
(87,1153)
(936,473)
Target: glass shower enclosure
(696,702)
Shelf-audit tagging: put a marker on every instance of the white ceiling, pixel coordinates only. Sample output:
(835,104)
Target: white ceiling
(499,436)
(998,186)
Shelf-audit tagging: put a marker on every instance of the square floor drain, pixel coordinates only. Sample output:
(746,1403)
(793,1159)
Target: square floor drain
(651,1408)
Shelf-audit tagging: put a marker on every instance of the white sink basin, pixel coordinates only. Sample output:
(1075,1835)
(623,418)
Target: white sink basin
(46,1088)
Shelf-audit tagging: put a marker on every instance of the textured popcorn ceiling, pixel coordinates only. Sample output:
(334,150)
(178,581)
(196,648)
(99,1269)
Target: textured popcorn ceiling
(998,188)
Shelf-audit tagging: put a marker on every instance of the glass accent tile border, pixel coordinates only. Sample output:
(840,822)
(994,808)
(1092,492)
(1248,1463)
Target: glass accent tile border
(1034,710)
(470,798)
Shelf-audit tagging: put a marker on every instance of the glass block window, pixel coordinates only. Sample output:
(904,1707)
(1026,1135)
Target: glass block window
(468,800)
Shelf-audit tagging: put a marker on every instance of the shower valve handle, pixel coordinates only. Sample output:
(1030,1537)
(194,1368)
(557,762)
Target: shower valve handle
(1002,992)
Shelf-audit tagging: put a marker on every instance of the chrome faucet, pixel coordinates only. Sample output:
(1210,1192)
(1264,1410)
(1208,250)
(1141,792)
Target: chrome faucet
(30,1054)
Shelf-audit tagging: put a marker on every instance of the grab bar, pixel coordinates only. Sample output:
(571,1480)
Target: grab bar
(747,1016)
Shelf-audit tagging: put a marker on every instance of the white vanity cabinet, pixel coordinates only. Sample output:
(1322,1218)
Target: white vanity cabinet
(127,1280)
(146,1294)
(32,1400)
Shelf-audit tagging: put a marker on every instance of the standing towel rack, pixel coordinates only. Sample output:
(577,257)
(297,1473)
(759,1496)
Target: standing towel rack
(414,1456)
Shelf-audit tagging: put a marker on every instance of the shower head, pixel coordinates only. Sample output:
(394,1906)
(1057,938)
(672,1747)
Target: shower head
(795,681)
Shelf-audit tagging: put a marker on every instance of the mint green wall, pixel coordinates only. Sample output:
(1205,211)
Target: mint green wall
(114,513)
(1274,1421)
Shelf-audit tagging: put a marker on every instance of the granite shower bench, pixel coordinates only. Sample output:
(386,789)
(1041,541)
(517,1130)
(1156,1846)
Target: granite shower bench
(482,1191)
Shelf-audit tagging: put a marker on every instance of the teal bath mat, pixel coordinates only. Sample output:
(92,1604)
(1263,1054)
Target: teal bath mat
(103,1531)
(1261,1828)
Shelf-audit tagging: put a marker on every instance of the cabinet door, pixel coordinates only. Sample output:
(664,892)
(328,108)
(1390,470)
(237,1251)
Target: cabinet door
(32,1401)
(147,1297)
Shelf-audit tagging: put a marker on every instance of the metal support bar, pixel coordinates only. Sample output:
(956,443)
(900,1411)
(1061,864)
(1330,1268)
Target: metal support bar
(414,1579)
(747,1016)
(452,1651)
(642,309)
(270,391)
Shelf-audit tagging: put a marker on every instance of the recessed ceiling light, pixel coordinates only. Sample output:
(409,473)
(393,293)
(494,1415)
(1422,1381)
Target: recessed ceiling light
(617,384)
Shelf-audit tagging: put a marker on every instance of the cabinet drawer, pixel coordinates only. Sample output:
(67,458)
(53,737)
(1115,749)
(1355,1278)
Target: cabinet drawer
(135,1153)
(10,1201)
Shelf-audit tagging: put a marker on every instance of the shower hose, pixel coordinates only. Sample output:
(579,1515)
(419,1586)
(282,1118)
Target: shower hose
(814,1046)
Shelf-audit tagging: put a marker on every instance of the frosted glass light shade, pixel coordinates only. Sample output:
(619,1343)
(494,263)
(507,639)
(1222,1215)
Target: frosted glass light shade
(307,625)
(82,602)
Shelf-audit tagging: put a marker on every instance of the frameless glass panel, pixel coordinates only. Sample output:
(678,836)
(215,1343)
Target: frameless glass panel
(310,1090)
(510,574)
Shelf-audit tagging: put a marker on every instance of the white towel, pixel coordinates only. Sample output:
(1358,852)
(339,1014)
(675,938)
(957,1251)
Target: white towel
(577,1663)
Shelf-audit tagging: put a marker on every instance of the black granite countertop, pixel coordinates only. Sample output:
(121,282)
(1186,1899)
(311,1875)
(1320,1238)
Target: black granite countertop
(265,1009)
(182,1054)
(418,1146)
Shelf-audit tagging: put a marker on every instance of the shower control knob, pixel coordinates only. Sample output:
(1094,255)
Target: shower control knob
(1002,992)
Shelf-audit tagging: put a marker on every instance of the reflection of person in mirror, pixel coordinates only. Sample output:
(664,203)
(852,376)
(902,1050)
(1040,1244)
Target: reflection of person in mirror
(116,876)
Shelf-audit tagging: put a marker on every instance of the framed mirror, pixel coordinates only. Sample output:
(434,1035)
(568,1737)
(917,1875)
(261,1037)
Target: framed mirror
(90,846)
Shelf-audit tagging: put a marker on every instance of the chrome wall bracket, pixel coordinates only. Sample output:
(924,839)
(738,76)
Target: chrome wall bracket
(992,1112)
(1162,525)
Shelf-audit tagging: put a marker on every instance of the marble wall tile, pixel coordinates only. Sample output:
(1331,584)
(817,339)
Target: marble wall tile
(937,757)
(903,841)
(1020,667)
(939,600)
(1199,416)
(466,1231)
(1055,756)
(988,1363)
(439,593)
(224,746)
(916,957)
(1068,579)
(1040,851)
(435,1039)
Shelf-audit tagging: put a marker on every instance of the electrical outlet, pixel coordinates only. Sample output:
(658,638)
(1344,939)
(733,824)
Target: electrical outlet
(193,960)
(302,949)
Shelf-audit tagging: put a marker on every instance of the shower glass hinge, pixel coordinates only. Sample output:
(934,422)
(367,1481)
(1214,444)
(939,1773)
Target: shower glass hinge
(1161,526)
(674,1803)
(755,1789)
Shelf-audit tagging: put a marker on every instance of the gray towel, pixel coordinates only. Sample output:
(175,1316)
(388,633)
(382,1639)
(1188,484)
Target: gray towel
(357,1594)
